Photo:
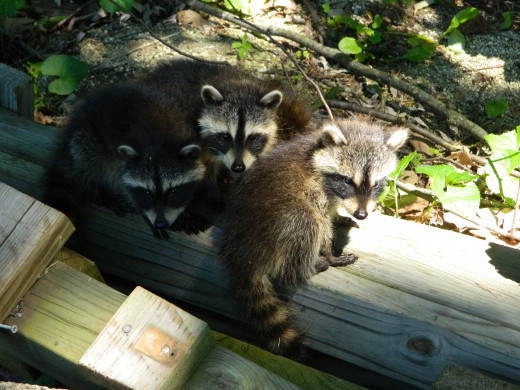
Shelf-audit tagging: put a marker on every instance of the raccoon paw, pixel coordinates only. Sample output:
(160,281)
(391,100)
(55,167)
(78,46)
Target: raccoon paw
(342,260)
(190,225)
(160,234)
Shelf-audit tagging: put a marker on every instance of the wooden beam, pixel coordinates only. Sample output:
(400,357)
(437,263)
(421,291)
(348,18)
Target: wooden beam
(31,234)
(66,311)
(418,299)
(148,344)
(16,91)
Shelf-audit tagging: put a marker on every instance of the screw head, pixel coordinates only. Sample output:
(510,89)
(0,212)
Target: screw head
(127,328)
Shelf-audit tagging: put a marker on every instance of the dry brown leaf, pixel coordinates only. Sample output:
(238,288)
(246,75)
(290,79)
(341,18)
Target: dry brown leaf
(420,146)
(192,18)
(463,156)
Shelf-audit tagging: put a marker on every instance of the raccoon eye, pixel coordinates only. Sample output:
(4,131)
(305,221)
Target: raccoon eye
(224,136)
(253,137)
(148,193)
(348,181)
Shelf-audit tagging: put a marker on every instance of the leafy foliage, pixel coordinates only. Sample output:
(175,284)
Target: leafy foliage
(505,158)
(243,47)
(9,8)
(69,70)
(496,107)
(122,5)
(456,40)
(454,189)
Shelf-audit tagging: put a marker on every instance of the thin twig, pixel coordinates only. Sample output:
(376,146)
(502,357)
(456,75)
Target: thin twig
(315,20)
(449,161)
(452,116)
(138,19)
(244,23)
(70,16)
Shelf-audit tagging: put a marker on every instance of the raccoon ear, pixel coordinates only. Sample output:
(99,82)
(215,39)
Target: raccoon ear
(190,151)
(271,100)
(127,151)
(396,138)
(330,136)
(210,95)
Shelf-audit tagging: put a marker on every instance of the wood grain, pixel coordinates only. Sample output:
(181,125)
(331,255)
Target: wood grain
(31,233)
(148,344)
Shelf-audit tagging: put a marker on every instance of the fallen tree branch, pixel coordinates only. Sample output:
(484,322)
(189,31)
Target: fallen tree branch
(453,117)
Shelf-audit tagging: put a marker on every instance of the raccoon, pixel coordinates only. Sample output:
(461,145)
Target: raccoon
(279,224)
(239,116)
(128,149)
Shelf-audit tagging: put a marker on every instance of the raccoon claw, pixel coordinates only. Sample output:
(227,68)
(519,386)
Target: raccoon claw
(342,260)
(189,225)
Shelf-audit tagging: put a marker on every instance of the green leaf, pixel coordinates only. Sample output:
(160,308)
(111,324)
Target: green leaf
(498,180)
(462,17)
(496,107)
(418,54)
(360,57)
(401,166)
(508,140)
(436,170)
(241,52)
(123,5)
(506,24)
(456,41)
(377,22)
(463,200)
(417,39)
(9,8)
(349,45)
(326,8)
(438,185)
(69,70)
(247,46)
(236,45)
(459,178)
(376,38)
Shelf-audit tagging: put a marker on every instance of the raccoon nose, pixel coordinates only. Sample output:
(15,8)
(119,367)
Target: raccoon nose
(161,223)
(238,167)
(360,214)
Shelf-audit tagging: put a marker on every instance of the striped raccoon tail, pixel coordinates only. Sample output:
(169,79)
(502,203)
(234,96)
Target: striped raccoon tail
(271,317)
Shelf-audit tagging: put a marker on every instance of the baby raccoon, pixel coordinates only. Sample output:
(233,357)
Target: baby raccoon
(279,223)
(239,116)
(127,148)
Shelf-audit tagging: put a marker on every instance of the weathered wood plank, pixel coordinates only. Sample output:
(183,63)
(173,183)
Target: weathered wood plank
(305,377)
(31,233)
(16,91)
(414,302)
(222,369)
(65,311)
(148,344)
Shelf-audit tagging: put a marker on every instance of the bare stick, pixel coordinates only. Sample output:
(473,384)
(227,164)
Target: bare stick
(438,107)
(163,41)
(244,23)
(69,17)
